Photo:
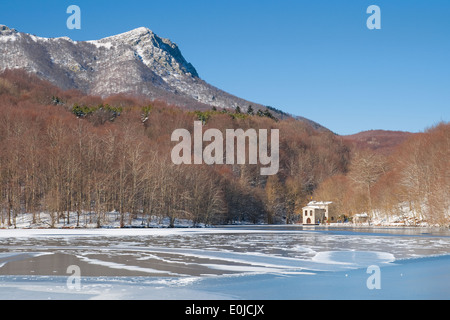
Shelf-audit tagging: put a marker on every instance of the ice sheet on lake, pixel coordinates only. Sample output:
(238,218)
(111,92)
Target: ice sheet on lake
(353,259)
(248,263)
(6,257)
(122,266)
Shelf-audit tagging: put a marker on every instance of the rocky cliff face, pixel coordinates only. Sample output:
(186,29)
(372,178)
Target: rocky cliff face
(136,62)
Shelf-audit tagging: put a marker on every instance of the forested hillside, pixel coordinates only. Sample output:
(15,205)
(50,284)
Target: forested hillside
(382,141)
(408,181)
(75,158)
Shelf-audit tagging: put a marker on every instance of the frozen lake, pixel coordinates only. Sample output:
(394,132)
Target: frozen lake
(232,262)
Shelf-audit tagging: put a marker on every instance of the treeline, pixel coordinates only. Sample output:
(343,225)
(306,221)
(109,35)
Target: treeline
(77,158)
(412,182)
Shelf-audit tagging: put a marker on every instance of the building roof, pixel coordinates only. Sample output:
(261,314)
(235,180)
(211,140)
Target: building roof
(361,215)
(317,204)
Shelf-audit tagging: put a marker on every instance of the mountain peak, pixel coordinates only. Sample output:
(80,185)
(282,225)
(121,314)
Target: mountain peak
(154,51)
(132,34)
(136,62)
(141,30)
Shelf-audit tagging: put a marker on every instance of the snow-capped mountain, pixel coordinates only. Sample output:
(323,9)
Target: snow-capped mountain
(136,62)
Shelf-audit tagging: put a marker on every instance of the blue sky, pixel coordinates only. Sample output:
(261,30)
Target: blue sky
(315,58)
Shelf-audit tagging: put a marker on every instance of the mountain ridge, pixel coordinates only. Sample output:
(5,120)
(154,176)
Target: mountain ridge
(135,62)
(383,141)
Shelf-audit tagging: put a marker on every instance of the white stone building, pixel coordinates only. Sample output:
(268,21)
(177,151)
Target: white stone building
(318,212)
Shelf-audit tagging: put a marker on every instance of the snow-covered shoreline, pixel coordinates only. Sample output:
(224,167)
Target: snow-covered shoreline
(111,221)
